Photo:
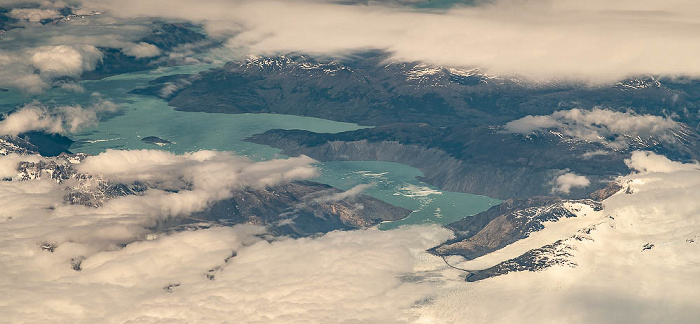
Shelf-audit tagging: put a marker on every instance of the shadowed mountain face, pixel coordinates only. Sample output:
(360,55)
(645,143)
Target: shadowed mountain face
(446,122)
(165,36)
(4,20)
(484,162)
(365,89)
(299,209)
(35,143)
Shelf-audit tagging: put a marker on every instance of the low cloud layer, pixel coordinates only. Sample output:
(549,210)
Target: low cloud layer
(183,184)
(595,41)
(141,50)
(64,60)
(647,162)
(56,120)
(611,128)
(48,46)
(75,263)
(565,182)
(340,277)
(175,185)
(235,274)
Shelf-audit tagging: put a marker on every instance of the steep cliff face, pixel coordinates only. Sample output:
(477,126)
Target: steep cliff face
(496,165)
(487,160)
(439,169)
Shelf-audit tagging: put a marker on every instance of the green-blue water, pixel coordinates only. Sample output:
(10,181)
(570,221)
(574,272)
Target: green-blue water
(397,184)
(143,116)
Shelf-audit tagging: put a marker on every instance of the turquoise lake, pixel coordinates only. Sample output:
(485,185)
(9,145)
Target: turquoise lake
(142,116)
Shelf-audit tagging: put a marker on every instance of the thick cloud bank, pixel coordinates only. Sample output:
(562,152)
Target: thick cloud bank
(597,41)
(68,263)
(594,41)
(611,128)
(65,263)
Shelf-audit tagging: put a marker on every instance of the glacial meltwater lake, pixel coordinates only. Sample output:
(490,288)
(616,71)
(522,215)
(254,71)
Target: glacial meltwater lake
(141,116)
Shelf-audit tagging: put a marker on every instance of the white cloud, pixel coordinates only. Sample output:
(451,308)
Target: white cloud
(529,124)
(342,276)
(141,50)
(357,276)
(595,153)
(32,69)
(611,128)
(646,162)
(564,182)
(37,117)
(64,60)
(597,41)
(187,183)
(34,15)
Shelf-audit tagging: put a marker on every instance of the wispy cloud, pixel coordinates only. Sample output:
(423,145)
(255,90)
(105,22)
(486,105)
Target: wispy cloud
(612,128)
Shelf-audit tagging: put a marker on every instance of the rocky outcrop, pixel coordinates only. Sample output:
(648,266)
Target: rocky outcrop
(297,209)
(558,253)
(517,219)
(511,221)
(156,141)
